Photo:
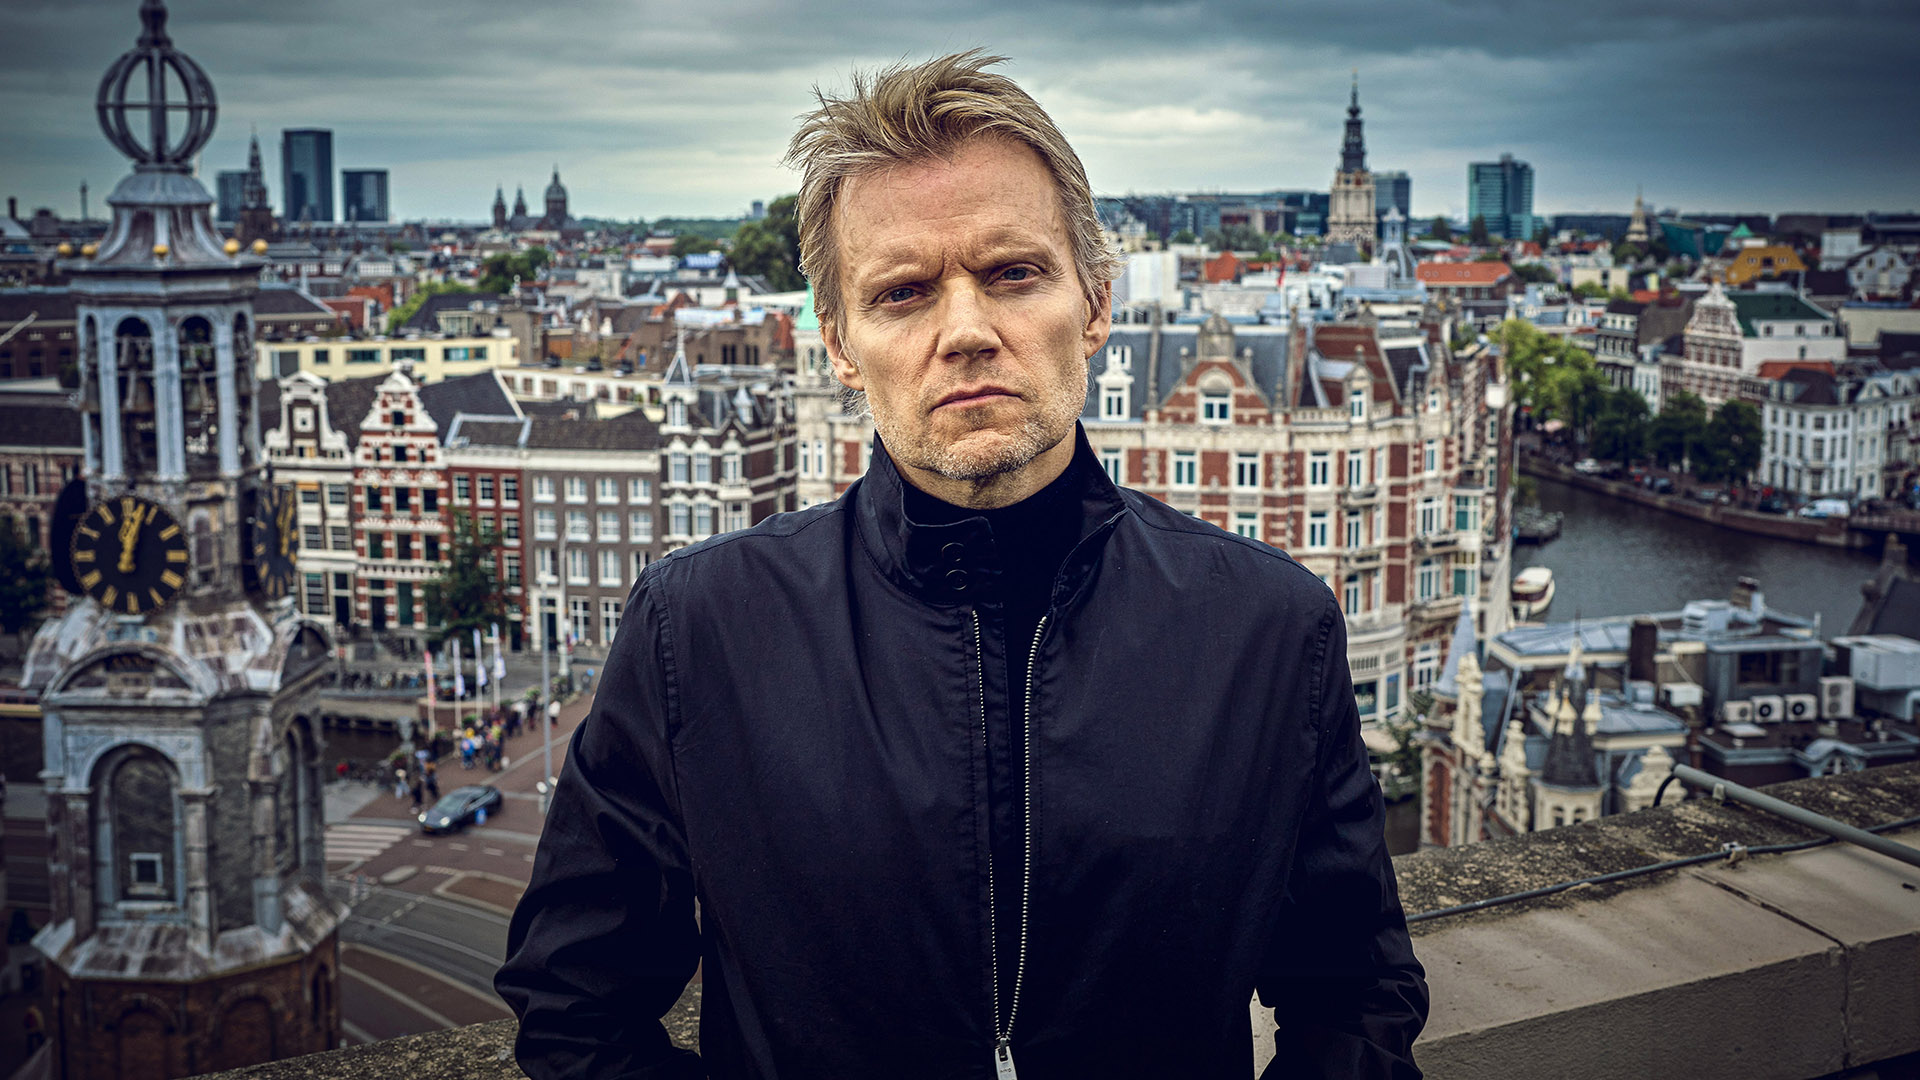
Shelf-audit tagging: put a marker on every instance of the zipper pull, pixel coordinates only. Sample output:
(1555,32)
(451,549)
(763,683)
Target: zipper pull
(1003,1061)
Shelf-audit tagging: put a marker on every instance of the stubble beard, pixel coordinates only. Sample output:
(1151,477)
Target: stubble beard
(968,461)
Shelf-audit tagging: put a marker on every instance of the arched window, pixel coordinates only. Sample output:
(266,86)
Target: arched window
(133,351)
(138,852)
(199,395)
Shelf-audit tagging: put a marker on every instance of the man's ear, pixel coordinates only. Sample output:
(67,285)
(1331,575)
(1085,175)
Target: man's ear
(844,368)
(1099,319)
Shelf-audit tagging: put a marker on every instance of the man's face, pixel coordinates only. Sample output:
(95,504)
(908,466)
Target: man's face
(965,320)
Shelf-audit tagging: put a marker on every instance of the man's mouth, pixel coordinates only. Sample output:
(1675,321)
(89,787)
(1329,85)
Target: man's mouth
(975,395)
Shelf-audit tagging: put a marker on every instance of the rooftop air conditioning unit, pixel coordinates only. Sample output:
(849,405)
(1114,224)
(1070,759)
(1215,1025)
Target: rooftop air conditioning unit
(1770,709)
(1803,707)
(1836,697)
(1736,712)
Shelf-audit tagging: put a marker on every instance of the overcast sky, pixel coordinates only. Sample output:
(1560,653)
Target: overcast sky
(654,109)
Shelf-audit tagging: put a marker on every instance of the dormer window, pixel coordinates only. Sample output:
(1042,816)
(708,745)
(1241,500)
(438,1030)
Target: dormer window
(1216,407)
(1356,407)
(677,413)
(1113,403)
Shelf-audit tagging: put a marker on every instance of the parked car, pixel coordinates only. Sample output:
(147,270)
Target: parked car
(1772,504)
(1825,508)
(461,807)
(1707,495)
(1660,485)
(1588,467)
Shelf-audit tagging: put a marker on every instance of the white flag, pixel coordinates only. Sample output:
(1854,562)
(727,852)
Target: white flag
(499,662)
(479,660)
(459,676)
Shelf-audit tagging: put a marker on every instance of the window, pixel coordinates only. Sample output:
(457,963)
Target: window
(1114,462)
(510,527)
(316,590)
(1186,468)
(409,354)
(1357,407)
(677,467)
(336,494)
(609,526)
(1113,403)
(730,469)
(576,524)
(1246,471)
(1430,457)
(403,498)
(430,499)
(363,356)
(1464,573)
(486,489)
(543,489)
(433,548)
(510,489)
(640,527)
(1247,525)
(309,496)
(1356,532)
(577,616)
(1356,469)
(677,413)
(1319,469)
(734,517)
(544,525)
(679,519)
(373,498)
(1350,594)
(1216,408)
(639,562)
(820,458)
(339,539)
(1429,516)
(399,452)
(464,352)
(510,567)
(702,520)
(703,468)
(1466,513)
(609,619)
(610,567)
(1317,529)
(376,548)
(640,491)
(543,564)
(577,566)
(576,489)
(1380,472)
(1427,580)
(607,489)
(1393,695)
(310,537)
(145,876)
(1426,665)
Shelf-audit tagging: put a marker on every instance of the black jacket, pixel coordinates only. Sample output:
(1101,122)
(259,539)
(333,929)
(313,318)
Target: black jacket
(790,730)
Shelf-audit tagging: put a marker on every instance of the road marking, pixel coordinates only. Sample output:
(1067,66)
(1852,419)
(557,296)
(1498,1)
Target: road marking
(492,851)
(349,843)
(457,847)
(489,999)
(529,858)
(423,843)
(357,1031)
(443,870)
(403,999)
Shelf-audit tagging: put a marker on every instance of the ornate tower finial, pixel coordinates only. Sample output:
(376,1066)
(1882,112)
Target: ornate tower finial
(153,58)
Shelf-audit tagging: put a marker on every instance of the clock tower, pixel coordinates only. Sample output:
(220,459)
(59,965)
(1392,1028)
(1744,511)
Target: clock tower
(190,929)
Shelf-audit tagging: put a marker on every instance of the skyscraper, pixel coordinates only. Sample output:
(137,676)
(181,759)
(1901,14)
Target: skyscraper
(230,190)
(1502,193)
(306,174)
(363,194)
(1392,191)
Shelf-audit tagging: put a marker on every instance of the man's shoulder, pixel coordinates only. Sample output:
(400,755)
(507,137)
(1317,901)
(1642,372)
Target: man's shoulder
(780,540)
(1187,535)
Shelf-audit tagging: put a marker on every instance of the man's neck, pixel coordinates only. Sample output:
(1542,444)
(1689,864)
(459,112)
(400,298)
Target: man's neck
(999,490)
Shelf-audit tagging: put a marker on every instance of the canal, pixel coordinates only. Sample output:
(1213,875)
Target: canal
(1616,558)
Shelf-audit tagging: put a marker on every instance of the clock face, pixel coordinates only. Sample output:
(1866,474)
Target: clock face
(129,554)
(273,541)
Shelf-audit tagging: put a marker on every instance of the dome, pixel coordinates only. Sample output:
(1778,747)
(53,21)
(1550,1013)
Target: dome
(555,190)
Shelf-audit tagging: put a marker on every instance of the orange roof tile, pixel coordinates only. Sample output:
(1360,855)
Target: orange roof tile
(1462,274)
(1774,369)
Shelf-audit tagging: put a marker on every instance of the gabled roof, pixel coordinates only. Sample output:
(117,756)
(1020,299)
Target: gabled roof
(479,394)
(348,401)
(1267,364)
(427,318)
(289,300)
(1462,274)
(1775,369)
(1772,306)
(1625,307)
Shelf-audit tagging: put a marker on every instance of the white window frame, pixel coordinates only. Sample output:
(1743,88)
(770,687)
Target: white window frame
(640,526)
(1319,530)
(576,489)
(543,489)
(1216,407)
(1114,461)
(606,490)
(1186,468)
(639,490)
(1247,524)
(1246,471)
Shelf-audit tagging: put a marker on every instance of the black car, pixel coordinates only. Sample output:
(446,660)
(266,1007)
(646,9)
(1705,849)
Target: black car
(1660,485)
(461,807)
(1772,504)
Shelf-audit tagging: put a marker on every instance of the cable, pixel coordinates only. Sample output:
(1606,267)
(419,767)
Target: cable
(1733,851)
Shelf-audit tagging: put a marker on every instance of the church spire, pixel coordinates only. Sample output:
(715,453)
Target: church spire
(1353,151)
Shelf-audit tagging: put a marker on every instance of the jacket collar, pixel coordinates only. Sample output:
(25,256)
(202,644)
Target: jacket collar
(958,563)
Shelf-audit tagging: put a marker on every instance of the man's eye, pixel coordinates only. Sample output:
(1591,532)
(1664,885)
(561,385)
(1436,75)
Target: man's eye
(899,295)
(1018,273)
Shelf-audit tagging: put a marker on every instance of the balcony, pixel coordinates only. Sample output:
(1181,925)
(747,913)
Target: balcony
(1436,542)
(1788,966)
(1365,495)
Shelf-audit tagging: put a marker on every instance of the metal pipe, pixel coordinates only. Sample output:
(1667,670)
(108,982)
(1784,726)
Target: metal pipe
(1726,789)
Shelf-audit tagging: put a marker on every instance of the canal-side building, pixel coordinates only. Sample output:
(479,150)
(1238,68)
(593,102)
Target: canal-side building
(1731,334)
(1631,334)
(1833,435)
(309,428)
(1366,449)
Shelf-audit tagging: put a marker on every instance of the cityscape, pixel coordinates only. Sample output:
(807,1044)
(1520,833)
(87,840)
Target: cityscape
(1617,505)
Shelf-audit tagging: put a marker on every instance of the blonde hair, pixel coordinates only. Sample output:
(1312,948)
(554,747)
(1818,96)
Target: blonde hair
(906,115)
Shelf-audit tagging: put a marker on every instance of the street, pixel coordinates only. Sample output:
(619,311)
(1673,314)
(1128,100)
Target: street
(429,922)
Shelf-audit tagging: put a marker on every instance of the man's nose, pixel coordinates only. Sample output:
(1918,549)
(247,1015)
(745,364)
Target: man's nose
(966,322)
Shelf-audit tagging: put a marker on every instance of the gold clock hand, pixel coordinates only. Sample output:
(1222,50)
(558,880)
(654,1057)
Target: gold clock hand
(129,540)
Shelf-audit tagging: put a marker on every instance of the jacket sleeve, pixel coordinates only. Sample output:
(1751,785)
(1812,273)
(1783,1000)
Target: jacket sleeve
(604,940)
(1347,993)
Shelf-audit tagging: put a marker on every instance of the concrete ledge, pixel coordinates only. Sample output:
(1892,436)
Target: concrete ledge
(1783,967)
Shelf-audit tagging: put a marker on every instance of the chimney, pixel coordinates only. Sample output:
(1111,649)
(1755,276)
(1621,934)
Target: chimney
(1747,594)
(1642,642)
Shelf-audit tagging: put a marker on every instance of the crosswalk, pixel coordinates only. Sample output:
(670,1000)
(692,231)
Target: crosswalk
(358,843)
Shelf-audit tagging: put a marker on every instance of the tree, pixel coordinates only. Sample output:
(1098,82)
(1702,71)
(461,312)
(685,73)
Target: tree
(25,577)
(1676,434)
(468,595)
(771,247)
(398,316)
(499,272)
(1534,273)
(693,244)
(1731,448)
(1554,379)
(1589,289)
(1477,230)
(1184,236)
(1440,230)
(1620,433)
(1234,237)
(1543,235)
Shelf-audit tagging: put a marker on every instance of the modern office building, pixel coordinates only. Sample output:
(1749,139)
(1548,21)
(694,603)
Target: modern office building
(230,194)
(1393,191)
(1502,193)
(363,194)
(306,175)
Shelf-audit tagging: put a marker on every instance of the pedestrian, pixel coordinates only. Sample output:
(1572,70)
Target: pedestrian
(399,783)
(433,782)
(416,789)
(340,770)
(988,765)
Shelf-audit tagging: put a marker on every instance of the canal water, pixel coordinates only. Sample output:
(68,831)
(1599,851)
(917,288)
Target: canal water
(1618,558)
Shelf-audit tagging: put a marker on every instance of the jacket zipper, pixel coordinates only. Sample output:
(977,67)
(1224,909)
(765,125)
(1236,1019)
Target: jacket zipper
(1003,1037)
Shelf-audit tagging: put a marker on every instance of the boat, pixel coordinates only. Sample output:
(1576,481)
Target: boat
(1532,525)
(1532,593)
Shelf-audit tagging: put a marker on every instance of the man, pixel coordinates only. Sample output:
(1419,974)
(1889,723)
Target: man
(989,768)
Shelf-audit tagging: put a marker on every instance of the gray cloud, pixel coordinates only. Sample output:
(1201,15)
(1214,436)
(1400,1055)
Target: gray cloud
(654,108)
